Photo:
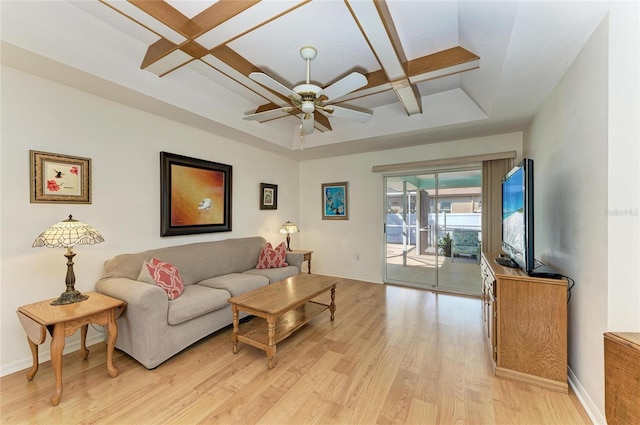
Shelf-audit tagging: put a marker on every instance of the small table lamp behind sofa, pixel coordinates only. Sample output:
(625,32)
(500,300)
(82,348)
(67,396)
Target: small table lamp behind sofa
(288,228)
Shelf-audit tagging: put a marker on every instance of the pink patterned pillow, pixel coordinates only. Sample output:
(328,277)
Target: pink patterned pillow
(164,275)
(270,258)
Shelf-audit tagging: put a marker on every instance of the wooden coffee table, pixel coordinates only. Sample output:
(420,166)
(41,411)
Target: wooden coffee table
(285,305)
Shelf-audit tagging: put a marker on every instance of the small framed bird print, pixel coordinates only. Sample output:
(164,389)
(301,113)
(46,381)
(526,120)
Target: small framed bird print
(57,178)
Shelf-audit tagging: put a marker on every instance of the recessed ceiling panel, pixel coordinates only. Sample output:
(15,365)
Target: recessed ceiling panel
(425,27)
(191,8)
(326,25)
(251,18)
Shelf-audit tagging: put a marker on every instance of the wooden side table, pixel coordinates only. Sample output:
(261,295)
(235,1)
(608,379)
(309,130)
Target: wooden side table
(64,320)
(307,258)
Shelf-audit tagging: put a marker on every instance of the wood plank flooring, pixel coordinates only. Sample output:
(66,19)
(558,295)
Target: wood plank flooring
(393,355)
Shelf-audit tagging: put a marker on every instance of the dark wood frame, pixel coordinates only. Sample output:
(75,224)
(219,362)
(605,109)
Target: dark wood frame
(345,187)
(38,175)
(168,186)
(264,189)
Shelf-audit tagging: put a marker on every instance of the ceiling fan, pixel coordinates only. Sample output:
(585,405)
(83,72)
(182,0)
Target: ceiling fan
(309,98)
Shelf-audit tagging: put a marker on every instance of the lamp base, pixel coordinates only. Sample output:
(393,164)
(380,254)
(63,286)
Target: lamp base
(69,297)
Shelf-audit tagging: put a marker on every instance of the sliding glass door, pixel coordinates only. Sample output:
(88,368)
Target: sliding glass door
(411,249)
(432,230)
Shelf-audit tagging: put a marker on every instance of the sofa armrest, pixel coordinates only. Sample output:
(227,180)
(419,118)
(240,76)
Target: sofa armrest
(295,259)
(139,296)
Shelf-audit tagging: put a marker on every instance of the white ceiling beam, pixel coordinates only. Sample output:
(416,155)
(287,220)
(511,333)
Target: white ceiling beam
(443,72)
(374,30)
(407,96)
(377,34)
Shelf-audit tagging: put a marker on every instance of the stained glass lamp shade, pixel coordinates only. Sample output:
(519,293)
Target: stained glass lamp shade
(66,234)
(288,228)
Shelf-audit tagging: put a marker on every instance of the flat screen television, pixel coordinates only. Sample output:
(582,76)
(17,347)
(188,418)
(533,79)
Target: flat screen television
(517,215)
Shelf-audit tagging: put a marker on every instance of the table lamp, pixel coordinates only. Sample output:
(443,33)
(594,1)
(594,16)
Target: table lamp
(288,228)
(66,234)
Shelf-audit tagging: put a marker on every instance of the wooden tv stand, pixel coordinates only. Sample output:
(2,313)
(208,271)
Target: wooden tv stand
(526,321)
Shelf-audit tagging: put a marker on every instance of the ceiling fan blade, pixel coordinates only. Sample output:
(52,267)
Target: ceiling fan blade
(272,84)
(269,115)
(307,124)
(344,86)
(346,113)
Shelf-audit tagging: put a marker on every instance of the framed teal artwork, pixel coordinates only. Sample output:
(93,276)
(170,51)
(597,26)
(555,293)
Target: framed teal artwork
(335,201)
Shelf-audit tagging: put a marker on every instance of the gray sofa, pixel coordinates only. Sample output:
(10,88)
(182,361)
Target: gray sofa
(155,328)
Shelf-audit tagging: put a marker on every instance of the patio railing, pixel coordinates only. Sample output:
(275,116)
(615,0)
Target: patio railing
(397,229)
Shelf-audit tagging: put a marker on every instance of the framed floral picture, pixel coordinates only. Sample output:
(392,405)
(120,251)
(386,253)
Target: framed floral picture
(268,196)
(335,201)
(57,178)
(195,195)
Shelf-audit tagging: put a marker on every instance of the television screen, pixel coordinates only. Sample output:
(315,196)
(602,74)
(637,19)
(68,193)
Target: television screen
(517,215)
(513,211)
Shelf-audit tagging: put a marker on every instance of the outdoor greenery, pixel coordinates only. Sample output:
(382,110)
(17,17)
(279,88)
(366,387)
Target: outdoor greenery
(445,244)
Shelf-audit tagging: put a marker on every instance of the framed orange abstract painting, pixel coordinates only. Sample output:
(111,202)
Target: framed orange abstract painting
(195,195)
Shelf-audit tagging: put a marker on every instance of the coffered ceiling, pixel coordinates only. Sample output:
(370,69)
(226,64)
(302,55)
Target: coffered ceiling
(436,70)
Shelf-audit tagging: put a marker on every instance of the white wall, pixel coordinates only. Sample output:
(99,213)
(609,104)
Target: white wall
(584,141)
(338,243)
(124,146)
(623,210)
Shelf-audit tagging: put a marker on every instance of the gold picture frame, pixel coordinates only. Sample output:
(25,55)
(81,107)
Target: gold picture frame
(59,178)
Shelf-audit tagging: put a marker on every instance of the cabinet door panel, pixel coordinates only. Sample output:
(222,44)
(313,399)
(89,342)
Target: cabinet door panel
(531,319)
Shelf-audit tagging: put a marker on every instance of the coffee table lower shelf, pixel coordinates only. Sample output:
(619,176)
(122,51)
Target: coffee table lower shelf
(256,332)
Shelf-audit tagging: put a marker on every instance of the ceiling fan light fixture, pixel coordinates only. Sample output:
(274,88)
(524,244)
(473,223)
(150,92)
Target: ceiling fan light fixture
(307,107)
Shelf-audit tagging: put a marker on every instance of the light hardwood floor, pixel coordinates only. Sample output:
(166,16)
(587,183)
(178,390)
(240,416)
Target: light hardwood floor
(393,355)
(462,277)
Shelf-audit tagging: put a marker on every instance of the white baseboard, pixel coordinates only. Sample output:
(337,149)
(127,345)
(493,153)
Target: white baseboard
(589,406)
(44,353)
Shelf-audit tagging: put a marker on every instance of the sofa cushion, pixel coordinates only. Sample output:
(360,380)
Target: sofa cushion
(275,275)
(236,283)
(195,301)
(164,275)
(271,258)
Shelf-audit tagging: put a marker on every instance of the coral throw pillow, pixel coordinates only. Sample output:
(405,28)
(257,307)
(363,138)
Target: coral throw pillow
(271,258)
(164,275)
